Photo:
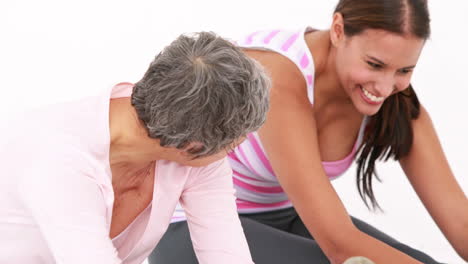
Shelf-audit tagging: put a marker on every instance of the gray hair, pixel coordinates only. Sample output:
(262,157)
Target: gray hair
(202,89)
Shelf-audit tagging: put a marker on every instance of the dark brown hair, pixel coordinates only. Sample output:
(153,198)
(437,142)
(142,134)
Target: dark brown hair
(389,133)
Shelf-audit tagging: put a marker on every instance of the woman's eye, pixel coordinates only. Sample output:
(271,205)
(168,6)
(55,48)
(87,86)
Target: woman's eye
(405,71)
(374,65)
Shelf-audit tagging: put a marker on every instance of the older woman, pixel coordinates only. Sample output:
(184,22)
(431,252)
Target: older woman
(96,180)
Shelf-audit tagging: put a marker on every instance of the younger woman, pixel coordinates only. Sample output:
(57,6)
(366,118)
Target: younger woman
(338,96)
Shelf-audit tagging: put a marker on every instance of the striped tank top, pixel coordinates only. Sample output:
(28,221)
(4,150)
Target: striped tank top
(257,188)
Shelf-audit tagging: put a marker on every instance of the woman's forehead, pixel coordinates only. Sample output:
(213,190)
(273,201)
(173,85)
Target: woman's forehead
(390,48)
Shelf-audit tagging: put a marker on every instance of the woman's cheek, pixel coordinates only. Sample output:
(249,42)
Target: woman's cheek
(361,77)
(403,83)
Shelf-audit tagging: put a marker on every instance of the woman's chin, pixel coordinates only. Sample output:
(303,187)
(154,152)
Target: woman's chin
(368,110)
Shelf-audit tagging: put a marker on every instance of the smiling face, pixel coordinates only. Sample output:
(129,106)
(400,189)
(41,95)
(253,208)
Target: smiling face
(374,64)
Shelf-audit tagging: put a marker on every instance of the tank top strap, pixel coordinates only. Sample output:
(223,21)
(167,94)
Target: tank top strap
(289,43)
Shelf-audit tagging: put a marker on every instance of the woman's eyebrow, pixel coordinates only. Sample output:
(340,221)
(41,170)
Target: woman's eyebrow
(384,64)
(377,60)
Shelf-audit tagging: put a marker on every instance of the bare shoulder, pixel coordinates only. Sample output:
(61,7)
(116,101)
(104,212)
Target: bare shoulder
(285,75)
(423,117)
(423,128)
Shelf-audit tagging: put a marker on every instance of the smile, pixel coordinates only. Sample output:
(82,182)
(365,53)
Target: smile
(371,97)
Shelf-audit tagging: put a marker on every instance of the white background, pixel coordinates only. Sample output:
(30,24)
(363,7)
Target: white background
(55,50)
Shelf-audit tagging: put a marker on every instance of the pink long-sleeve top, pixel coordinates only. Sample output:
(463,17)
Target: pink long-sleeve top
(56,195)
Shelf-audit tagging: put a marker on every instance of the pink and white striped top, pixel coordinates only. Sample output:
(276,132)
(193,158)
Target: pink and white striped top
(257,187)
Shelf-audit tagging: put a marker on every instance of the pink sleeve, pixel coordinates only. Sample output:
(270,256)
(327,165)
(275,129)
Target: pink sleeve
(69,210)
(215,229)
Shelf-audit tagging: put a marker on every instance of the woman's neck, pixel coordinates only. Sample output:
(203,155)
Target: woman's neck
(327,87)
(132,153)
(130,143)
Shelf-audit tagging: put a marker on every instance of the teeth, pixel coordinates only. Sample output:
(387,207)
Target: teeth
(372,97)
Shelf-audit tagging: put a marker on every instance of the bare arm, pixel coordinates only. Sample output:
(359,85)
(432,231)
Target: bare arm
(290,140)
(430,175)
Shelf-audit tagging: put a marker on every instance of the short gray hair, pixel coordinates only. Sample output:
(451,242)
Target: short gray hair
(202,88)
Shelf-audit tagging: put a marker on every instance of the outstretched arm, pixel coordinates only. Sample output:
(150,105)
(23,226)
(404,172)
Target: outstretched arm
(215,228)
(429,173)
(69,209)
(290,139)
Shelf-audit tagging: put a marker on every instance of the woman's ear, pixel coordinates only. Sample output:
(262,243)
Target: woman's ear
(337,34)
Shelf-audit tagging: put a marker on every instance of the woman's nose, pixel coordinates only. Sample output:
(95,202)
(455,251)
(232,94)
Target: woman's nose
(386,86)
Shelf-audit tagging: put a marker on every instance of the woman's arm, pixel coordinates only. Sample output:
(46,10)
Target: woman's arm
(289,137)
(209,204)
(430,175)
(69,209)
